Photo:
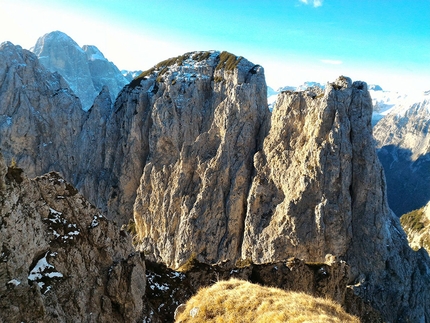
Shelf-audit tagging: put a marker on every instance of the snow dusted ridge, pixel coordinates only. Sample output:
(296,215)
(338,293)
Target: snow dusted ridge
(188,67)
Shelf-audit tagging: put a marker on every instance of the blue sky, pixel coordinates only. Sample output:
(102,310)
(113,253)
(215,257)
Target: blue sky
(386,42)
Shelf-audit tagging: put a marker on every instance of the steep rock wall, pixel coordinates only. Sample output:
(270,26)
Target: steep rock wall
(205,122)
(39,115)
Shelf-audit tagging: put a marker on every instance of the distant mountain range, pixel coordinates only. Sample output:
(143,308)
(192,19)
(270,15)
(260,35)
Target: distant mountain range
(403,141)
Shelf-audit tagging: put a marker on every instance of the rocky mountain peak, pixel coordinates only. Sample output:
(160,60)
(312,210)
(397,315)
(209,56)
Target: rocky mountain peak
(85,69)
(93,53)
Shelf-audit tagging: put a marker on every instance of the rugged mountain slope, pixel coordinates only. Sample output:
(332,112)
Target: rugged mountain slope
(39,114)
(60,259)
(417,226)
(403,139)
(43,127)
(85,69)
(210,175)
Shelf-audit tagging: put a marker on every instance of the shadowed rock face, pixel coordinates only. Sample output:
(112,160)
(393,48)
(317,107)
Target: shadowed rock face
(43,127)
(60,259)
(39,114)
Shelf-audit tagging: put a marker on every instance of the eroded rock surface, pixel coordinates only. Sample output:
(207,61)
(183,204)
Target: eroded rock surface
(40,117)
(317,188)
(60,259)
(206,116)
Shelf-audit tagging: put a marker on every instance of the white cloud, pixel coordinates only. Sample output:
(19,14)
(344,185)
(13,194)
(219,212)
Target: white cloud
(318,3)
(331,61)
(315,3)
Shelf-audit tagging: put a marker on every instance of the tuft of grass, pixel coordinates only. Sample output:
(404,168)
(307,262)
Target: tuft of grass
(417,228)
(163,66)
(228,61)
(201,56)
(242,302)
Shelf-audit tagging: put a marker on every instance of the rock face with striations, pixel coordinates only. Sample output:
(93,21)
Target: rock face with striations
(60,259)
(403,139)
(85,69)
(207,111)
(227,182)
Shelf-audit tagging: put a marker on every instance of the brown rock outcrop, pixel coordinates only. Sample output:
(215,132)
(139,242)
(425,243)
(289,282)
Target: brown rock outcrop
(61,260)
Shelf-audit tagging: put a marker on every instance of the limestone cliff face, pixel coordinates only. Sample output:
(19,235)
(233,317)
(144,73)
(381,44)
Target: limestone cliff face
(318,182)
(39,115)
(403,141)
(60,259)
(308,184)
(205,119)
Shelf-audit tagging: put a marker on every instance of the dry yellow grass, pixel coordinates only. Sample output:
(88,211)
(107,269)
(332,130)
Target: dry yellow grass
(237,301)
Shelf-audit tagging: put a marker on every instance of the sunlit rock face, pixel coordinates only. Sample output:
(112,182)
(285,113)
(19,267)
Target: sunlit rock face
(61,260)
(308,184)
(206,116)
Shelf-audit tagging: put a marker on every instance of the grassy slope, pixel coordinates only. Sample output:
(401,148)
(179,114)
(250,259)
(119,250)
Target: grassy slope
(242,302)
